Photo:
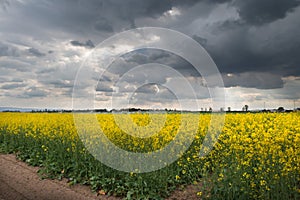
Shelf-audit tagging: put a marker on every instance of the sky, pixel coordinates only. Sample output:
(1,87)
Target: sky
(255,45)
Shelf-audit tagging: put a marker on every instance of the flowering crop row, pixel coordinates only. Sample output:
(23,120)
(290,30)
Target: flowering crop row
(257,156)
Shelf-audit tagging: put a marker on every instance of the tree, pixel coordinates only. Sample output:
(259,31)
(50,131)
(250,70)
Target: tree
(246,107)
(280,109)
(229,109)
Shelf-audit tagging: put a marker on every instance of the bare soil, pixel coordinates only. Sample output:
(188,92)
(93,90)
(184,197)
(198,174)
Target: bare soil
(19,181)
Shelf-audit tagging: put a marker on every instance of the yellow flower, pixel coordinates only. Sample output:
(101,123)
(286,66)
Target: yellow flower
(199,194)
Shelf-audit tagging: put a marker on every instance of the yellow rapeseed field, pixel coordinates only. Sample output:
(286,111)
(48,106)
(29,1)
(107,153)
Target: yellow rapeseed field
(257,156)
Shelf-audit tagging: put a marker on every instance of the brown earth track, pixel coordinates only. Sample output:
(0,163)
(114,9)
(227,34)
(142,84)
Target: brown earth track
(18,181)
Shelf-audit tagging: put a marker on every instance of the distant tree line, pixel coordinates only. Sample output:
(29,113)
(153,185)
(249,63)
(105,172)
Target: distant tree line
(244,109)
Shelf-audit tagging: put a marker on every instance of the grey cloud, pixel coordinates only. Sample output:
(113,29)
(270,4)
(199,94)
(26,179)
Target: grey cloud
(192,2)
(152,93)
(103,24)
(46,70)
(12,86)
(196,88)
(136,57)
(58,83)
(126,87)
(161,57)
(10,80)
(253,80)
(75,16)
(290,89)
(67,92)
(4,4)
(200,40)
(146,56)
(257,42)
(229,25)
(132,9)
(34,92)
(102,98)
(3,80)
(232,53)
(148,88)
(7,50)
(96,12)
(19,80)
(144,76)
(36,52)
(15,65)
(258,12)
(54,72)
(87,44)
(163,95)
(237,47)
(260,97)
(104,86)
(105,77)
(120,66)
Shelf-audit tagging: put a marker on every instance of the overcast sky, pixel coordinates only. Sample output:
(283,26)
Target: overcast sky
(255,45)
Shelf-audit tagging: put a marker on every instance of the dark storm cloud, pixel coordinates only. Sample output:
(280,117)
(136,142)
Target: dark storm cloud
(104,15)
(237,46)
(258,12)
(200,40)
(255,42)
(78,15)
(72,17)
(254,80)
(36,52)
(161,57)
(232,53)
(87,44)
(132,9)
(103,24)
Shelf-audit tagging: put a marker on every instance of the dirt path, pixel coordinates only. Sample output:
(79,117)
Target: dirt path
(19,181)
